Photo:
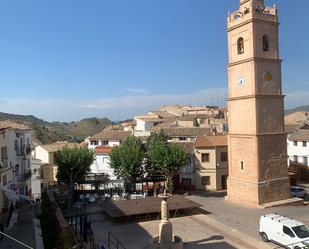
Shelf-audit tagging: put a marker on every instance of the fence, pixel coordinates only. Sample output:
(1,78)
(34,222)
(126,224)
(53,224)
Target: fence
(113,242)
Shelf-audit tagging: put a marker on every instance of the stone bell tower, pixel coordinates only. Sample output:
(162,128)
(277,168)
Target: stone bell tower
(258,171)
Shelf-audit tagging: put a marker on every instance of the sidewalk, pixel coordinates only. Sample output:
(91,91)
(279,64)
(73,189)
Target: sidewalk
(233,234)
(22,231)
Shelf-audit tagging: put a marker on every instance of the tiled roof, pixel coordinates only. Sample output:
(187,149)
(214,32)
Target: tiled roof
(103,149)
(186,132)
(165,125)
(289,128)
(301,135)
(188,147)
(111,135)
(204,141)
(150,119)
(191,117)
(54,147)
(12,125)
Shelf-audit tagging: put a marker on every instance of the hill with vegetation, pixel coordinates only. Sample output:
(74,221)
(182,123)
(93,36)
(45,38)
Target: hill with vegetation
(303,108)
(44,132)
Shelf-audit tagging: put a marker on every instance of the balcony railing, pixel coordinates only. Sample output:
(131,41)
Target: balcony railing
(20,150)
(23,150)
(4,163)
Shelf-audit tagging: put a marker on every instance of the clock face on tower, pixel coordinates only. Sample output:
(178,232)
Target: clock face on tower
(268,76)
(241,81)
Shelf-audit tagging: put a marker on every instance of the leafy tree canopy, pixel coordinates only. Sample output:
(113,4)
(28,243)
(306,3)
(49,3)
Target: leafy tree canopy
(167,158)
(73,164)
(127,159)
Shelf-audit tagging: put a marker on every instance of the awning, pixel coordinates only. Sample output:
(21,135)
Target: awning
(12,196)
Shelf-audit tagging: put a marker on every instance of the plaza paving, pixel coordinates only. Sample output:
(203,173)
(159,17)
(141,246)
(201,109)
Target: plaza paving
(223,225)
(244,219)
(197,231)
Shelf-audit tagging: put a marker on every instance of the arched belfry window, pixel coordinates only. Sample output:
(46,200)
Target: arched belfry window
(240,45)
(265,43)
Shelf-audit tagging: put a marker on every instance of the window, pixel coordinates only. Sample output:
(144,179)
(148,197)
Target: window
(205,157)
(223,156)
(301,231)
(265,43)
(304,144)
(182,139)
(139,186)
(104,142)
(288,231)
(94,142)
(242,165)
(305,160)
(205,180)
(295,143)
(240,45)
(188,161)
(5,181)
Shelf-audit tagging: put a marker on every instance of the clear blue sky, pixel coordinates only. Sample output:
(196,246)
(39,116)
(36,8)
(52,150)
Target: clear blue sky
(69,59)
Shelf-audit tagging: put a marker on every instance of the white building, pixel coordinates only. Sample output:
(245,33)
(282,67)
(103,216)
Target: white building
(102,162)
(36,178)
(144,124)
(298,148)
(14,160)
(103,143)
(107,138)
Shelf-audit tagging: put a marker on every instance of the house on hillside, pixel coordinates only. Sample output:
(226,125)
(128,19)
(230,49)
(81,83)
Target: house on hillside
(46,153)
(144,124)
(211,162)
(180,134)
(107,138)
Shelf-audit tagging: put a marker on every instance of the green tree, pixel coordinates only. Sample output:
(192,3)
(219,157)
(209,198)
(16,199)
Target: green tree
(73,164)
(127,159)
(166,158)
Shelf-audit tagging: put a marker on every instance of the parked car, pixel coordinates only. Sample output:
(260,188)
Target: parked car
(297,192)
(284,231)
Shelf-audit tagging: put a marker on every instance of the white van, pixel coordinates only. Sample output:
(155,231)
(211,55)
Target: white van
(284,231)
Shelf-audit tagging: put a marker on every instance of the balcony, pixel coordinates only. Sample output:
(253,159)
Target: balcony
(20,151)
(20,178)
(4,163)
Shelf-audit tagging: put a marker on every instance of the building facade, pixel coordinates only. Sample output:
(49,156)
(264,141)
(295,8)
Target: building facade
(298,148)
(211,167)
(257,140)
(15,157)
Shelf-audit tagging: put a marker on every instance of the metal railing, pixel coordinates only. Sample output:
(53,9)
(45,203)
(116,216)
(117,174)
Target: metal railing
(113,242)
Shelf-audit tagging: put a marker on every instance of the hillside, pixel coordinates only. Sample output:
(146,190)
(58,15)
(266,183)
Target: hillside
(303,108)
(44,132)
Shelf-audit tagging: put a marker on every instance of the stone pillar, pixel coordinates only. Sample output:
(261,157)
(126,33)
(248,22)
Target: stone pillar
(165,230)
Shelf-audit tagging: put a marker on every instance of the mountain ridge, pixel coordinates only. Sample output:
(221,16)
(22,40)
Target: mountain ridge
(44,132)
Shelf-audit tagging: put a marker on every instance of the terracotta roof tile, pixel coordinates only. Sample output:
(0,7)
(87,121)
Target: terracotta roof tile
(103,149)
(12,125)
(186,132)
(204,141)
(54,147)
(301,135)
(111,135)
